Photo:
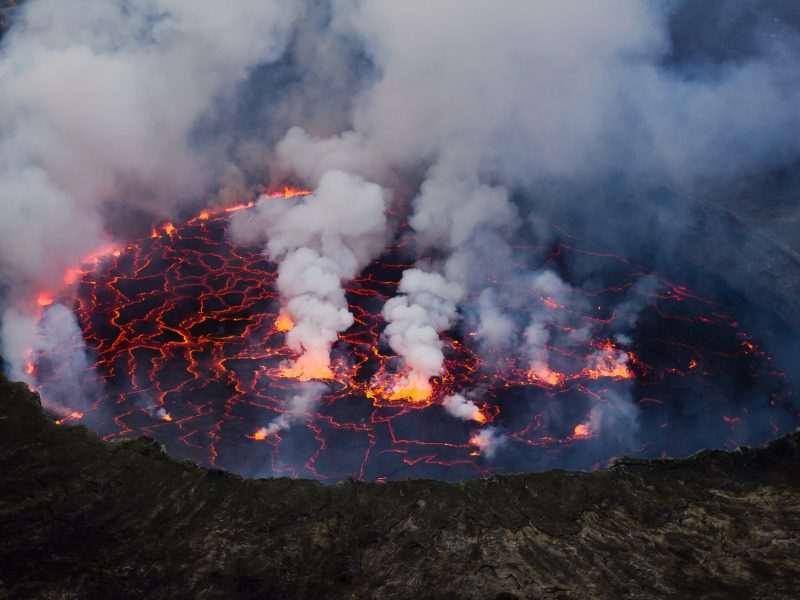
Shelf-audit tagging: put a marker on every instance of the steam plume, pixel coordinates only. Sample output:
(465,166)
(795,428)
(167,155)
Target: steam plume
(119,115)
(318,241)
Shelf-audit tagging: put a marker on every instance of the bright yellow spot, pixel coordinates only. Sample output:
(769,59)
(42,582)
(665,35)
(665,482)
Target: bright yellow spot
(612,363)
(309,366)
(414,388)
(289,192)
(605,370)
(44,299)
(548,376)
(284,322)
(581,431)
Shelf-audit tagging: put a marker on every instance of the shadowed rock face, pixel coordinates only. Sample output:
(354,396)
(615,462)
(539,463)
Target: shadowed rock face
(81,518)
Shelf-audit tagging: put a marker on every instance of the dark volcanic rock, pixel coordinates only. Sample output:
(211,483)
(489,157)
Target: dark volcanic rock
(81,518)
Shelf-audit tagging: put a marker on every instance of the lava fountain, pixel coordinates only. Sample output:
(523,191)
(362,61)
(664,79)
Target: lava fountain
(187,340)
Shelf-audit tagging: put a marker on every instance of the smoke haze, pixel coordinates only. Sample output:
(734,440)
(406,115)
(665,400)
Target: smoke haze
(456,119)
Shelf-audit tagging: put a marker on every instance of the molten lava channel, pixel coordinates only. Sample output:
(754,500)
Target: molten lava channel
(188,343)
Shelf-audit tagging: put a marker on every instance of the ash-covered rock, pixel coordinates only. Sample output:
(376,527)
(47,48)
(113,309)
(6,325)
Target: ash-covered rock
(81,518)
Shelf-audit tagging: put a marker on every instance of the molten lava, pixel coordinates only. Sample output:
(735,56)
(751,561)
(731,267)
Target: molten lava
(44,299)
(189,343)
(284,322)
(307,367)
(581,431)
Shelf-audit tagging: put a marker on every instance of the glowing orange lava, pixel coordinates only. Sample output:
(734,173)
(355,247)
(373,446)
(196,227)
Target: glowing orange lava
(308,366)
(581,431)
(411,387)
(73,416)
(548,376)
(190,343)
(44,299)
(289,191)
(284,322)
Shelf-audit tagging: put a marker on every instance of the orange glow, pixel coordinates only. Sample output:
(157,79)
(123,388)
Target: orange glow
(235,339)
(73,416)
(238,207)
(284,322)
(44,299)
(309,366)
(71,275)
(414,388)
(605,369)
(548,376)
(289,191)
(581,431)
(611,363)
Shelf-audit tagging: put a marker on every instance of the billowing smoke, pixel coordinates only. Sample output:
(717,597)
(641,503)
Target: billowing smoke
(319,241)
(56,335)
(298,408)
(426,307)
(100,102)
(488,441)
(511,98)
(462,408)
(455,115)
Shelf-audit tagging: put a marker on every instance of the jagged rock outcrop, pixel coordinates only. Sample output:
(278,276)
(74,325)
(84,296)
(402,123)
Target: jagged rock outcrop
(81,518)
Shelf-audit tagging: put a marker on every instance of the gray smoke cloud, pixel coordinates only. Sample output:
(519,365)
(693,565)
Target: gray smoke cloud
(494,100)
(319,241)
(297,409)
(125,109)
(98,104)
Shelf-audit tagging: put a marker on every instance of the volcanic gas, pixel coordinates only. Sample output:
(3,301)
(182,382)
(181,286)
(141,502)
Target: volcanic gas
(188,343)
